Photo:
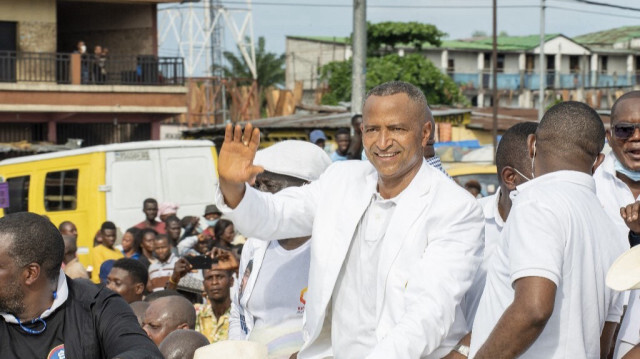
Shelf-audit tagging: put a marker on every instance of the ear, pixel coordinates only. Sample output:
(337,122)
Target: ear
(508,177)
(31,273)
(598,162)
(608,135)
(531,141)
(183,326)
(139,288)
(231,281)
(426,132)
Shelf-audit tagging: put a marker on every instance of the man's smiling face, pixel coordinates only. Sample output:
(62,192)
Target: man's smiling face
(394,134)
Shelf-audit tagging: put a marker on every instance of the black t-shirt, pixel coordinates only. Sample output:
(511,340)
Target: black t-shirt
(16,343)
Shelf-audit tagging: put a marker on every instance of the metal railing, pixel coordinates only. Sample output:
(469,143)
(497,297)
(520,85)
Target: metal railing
(112,69)
(132,70)
(528,80)
(34,67)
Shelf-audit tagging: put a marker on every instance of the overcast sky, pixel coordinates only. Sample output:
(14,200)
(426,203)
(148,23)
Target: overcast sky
(275,19)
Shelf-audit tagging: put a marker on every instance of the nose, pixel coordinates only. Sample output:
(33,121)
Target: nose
(384,140)
(110,285)
(636,134)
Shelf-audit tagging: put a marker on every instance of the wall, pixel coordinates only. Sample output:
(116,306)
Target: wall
(127,29)
(465,62)
(36,20)
(304,57)
(435,55)
(511,65)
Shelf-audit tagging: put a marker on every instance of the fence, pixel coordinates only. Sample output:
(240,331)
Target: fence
(111,70)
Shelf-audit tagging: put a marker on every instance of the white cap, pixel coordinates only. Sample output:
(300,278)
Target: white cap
(624,273)
(232,349)
(299,159)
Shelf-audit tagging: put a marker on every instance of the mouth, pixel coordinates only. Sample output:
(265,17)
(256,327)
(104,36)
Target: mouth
(387,155)
(634,153)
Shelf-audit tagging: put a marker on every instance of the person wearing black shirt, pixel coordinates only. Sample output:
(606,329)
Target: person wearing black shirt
(44,314)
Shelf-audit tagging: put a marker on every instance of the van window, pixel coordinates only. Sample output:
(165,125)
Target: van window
(60,190)
(18,194)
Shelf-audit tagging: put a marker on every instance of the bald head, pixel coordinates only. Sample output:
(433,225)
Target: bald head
(167,314)
(617,107)
(182,344)
(570,136)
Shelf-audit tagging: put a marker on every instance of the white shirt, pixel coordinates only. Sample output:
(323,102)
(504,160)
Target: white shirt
(493,224)
(555,231)
(354,320)
(277,300)
(613,195)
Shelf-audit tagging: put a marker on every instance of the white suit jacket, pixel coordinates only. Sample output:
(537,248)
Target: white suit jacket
(431,251)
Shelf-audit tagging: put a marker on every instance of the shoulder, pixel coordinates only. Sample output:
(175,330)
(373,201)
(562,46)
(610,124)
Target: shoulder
(349,168)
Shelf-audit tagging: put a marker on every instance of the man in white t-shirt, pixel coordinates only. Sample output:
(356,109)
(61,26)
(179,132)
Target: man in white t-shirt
(618,185)
(268,302)
(512,161)
(545,295)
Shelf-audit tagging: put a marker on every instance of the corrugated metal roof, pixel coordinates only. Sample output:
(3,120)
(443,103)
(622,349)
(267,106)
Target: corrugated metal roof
(609,37)
(505,43)
(332,39)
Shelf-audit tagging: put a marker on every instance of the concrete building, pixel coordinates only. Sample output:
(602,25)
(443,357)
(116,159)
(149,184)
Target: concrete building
(592,68)
(51,92)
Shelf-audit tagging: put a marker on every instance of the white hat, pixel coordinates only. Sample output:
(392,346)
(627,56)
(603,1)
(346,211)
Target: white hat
(232,349)
(299,159)
(624,273)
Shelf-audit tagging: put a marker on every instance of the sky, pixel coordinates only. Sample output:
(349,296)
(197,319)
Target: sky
(276,19)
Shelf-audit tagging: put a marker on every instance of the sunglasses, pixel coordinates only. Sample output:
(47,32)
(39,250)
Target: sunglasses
(624,131)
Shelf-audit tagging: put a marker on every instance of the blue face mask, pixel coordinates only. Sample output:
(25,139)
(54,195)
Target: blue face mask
(212,223)
(634,176)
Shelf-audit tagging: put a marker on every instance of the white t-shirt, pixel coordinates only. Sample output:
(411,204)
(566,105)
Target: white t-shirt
(493,224)
(555,231)
(277,300)
(613,195)
(353,321)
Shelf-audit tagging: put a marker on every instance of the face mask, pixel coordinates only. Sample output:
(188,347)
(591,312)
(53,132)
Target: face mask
(523,176)
(83,49)
(634,176)
(211,223)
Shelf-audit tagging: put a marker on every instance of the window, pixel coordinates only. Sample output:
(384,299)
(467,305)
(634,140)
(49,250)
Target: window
(18,194)
(529,63)
(605,63)
(574,64)
(500,64)
(60,190)
(551,62)
(451,66)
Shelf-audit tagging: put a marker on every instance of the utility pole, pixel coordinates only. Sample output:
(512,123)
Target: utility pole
(543,68)
(359,46)
(494,74)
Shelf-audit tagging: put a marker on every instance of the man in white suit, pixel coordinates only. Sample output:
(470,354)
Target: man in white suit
(395,243)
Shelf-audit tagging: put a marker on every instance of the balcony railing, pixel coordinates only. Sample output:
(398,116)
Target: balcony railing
(64,68)
(531,81)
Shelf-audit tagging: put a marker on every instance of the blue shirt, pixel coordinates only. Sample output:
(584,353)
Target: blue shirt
(335,156)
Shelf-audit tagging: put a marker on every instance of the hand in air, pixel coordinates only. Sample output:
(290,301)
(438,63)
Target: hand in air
(235,164)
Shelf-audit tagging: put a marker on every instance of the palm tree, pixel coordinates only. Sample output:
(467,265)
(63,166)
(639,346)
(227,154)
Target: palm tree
(269,66)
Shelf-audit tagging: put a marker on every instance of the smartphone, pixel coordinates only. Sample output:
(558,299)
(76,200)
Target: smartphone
(201,262)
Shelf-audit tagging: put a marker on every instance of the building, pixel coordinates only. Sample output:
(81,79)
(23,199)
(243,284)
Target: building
(49,91)
(592,68)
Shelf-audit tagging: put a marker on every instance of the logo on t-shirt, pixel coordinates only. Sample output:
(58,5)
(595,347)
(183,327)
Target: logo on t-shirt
(302,300)
(57,353)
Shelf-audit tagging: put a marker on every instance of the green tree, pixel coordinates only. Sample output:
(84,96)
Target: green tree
(383,37)
(269,66)
(413,68)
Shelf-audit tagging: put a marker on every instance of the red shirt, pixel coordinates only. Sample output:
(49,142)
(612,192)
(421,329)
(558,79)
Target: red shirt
(159,227)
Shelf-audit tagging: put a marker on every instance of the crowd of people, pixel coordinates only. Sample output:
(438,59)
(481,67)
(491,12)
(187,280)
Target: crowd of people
(312,254)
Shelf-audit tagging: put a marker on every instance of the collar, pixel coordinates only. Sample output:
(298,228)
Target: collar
(574,177)
(414,189)
(62,293)
(490,208)
(171,258)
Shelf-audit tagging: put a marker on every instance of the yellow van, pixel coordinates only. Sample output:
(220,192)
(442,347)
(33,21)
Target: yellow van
(485,173)
(88,186)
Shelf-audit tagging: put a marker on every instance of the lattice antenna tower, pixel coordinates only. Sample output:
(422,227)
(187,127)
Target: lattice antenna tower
(197,29)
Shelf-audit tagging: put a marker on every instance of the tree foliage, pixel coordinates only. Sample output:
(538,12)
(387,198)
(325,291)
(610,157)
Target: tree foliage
(269,66)
(413,68)
(385,36)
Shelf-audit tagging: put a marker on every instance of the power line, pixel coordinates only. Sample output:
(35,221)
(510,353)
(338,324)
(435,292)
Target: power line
(591,12)
(589,2)
(460,6)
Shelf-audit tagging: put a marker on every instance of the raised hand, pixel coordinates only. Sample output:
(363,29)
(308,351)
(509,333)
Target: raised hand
(235,163)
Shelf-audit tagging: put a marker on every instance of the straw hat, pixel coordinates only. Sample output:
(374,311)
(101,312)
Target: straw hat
(624,273)
(232,349)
